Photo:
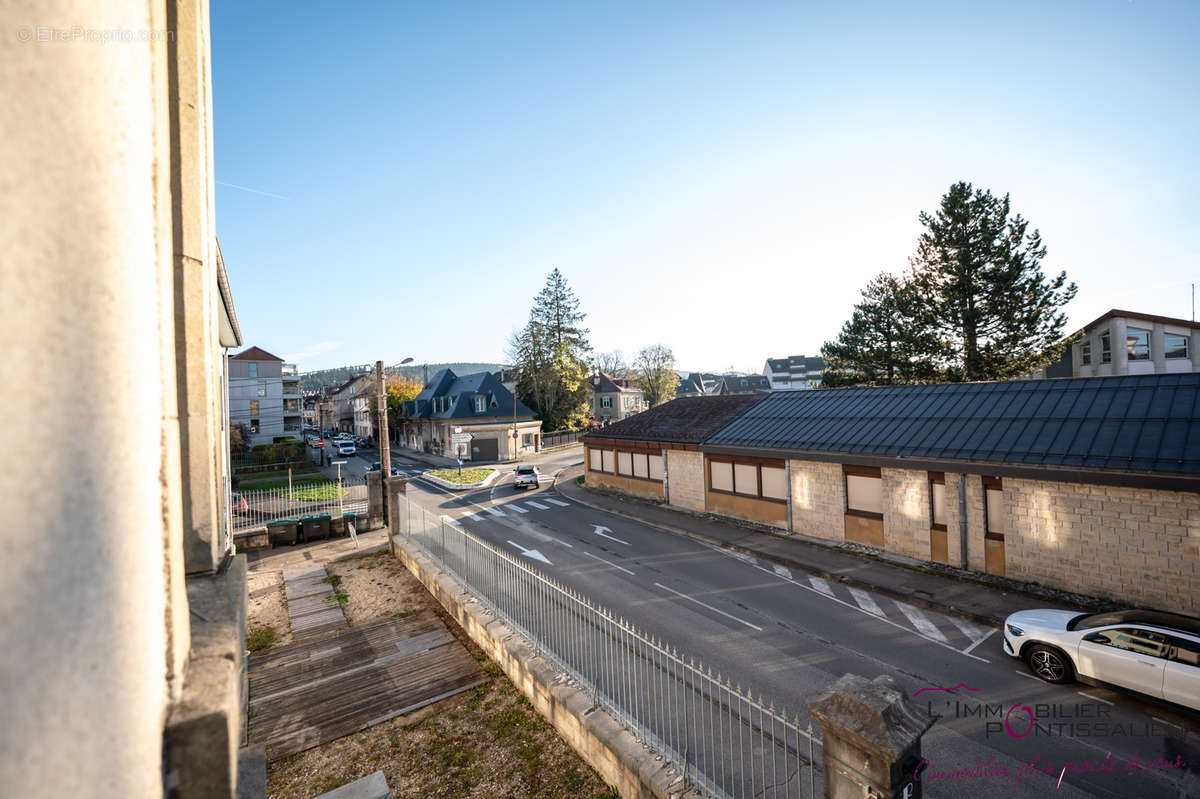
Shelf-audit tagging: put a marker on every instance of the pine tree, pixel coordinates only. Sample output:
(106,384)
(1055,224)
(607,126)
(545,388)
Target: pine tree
(550,356)
(885,341)
(977,273)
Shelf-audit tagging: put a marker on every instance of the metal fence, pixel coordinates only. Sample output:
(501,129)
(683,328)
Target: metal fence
(302,499)
(722,740)
(561,438)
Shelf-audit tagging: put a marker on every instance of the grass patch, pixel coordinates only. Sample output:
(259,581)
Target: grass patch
(579,479)
(467,476)
(340,597)
(301,489)
(257,477)
(334,581)
(260,638)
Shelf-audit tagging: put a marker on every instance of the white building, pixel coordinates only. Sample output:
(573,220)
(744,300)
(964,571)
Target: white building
(794,372)
(1128,343)
(264,395)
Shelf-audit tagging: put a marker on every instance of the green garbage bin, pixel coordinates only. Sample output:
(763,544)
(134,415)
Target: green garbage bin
(315,527)
(283,532)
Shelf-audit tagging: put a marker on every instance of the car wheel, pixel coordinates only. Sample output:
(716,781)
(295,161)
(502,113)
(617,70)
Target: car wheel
(1049,664)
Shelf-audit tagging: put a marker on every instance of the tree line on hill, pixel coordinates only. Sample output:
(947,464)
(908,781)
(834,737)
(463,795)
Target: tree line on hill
(973,304)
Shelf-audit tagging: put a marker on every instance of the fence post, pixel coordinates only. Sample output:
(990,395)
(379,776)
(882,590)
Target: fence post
(394,488)
(871,735)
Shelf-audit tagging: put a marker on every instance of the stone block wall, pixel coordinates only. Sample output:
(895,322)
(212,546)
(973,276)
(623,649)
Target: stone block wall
(906,512)
(818,499)
(685,479)
(953,547)
(650,489)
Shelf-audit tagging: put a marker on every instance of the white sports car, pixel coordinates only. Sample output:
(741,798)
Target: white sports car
(1154,653)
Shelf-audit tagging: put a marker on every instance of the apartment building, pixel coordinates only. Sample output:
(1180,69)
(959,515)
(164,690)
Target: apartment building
(264,395)
(793,373)
(1129,343)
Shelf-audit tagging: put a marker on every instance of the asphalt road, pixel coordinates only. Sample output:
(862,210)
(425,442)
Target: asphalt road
(787,635)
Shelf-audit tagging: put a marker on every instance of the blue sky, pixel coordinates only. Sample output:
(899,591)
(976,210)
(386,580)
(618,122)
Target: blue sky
(720,178)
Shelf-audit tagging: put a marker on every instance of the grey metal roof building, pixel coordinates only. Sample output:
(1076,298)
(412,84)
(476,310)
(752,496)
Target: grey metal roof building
(1081,428)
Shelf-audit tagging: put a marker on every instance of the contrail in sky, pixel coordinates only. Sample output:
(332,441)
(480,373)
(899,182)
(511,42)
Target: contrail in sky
(252,191)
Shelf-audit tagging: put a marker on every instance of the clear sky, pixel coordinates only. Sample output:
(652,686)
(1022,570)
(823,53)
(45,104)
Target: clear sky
(721,178)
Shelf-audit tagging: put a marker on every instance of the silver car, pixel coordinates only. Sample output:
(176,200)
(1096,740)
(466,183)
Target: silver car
(1153,653)
(527,477)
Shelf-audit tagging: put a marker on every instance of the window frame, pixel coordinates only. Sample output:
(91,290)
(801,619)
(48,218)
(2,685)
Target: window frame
(1106,347)
(936,478)
(861,471)
(606,402)
(1085,352)
(757,463)
(1187,346)
(1130,338)
(254,411)
(991,484)
(252,369)
(480,403)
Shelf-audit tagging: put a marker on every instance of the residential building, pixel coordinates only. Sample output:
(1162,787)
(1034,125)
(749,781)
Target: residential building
(614,398)
(793,373)
(742,384)
(1152,345)
(500,426)
(1080,484)
(508,377)
(698,384)
(366,397)
(342,403)
(123,661)
(264,396)
(312,412)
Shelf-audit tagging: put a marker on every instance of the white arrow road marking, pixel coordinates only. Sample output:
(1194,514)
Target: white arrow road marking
(600,530)
(821,586)
(920,621)
(538,505)
(449,520)
(609,562)
(710,607)
(783,571)
(556,502)
(865,601)
(494,512)
(532,553)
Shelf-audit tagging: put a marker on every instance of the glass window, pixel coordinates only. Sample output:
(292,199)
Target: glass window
(937,495)
(1144,642)
(640,467)
(527,440)
(1175,345)
(994,506)
(722,476)
(774,482)
(624,463)
(656,467)
(607,463)
(253,425)
(864,494)
(745,479)
(606,402)
(1138,343)
(262,391)
(1105,348)
(253,367)
(480,404)
(595,460)
(1184,651)
(254,407)
(1085,352)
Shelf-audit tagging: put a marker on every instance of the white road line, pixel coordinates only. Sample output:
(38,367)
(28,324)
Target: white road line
(710,607)
(1089,696)
(821,586)
(783,571)
(971,630)
(609,562)
(474,516)
(920,621)
(516,507)
(494,512)
(556,502)
(1168,723)
(980,641)
(449,520)
(1025,674)
(865,601)
(537,505)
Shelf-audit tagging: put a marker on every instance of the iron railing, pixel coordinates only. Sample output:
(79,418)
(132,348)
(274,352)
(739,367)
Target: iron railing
(302,499)
(722,740)
(561,438)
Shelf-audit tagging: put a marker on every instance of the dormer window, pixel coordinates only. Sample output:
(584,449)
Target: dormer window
(480,403)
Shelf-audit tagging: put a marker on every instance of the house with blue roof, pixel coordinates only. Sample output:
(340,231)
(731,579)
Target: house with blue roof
(473,417)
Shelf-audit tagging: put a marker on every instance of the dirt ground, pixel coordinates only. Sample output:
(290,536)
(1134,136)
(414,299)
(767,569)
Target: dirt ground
(268,605)
(487,742)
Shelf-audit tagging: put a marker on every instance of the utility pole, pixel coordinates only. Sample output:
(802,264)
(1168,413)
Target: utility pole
(385,443)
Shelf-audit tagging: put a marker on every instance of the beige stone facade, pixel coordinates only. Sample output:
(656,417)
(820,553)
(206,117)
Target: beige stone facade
(685,479)
(818,499)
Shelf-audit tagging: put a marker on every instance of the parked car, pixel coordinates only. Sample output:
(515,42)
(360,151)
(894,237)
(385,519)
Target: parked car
(378,467)
(237,504)
(527,477)
(1151,652)
(346,448)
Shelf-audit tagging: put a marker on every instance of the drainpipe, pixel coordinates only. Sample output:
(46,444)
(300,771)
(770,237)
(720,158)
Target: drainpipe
(962,520)
(787,470)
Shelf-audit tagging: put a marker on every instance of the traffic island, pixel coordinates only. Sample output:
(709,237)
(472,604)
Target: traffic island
(455,480)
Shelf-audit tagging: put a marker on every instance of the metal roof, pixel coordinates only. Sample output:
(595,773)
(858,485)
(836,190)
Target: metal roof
(1141,423)
(684,420)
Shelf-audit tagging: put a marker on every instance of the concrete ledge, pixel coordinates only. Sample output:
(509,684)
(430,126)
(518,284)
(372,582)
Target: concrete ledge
(607,746)
(437,481)
(248,540)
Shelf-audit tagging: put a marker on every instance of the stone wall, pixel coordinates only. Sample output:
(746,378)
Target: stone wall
(906,512)
(818,499)
(650,489)
(685,479)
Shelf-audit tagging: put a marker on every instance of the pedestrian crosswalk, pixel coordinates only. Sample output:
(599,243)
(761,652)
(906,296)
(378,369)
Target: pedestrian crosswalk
(480,513)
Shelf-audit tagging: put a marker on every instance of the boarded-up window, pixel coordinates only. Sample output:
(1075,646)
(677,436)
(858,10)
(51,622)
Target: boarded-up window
(656,467)
(864,494)
(607,464)
(774,483)
(595,460)
(937,493)
(722,475)
(625,463)
(640,468)
(997,515)
(745,479)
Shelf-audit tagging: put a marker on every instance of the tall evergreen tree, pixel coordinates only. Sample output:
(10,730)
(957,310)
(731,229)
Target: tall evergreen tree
(884,342)
(977,273)
(550,355)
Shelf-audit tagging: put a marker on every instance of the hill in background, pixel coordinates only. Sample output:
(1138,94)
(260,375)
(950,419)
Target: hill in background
(331,378)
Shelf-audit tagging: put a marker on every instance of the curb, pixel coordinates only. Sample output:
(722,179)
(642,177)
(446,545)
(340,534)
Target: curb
(437,481)
(809,568)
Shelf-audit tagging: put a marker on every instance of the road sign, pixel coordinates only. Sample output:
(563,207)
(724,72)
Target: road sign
(460,438)
(514,434)
(460,461)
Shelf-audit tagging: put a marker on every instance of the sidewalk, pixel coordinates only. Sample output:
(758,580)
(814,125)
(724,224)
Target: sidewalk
(981,598)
